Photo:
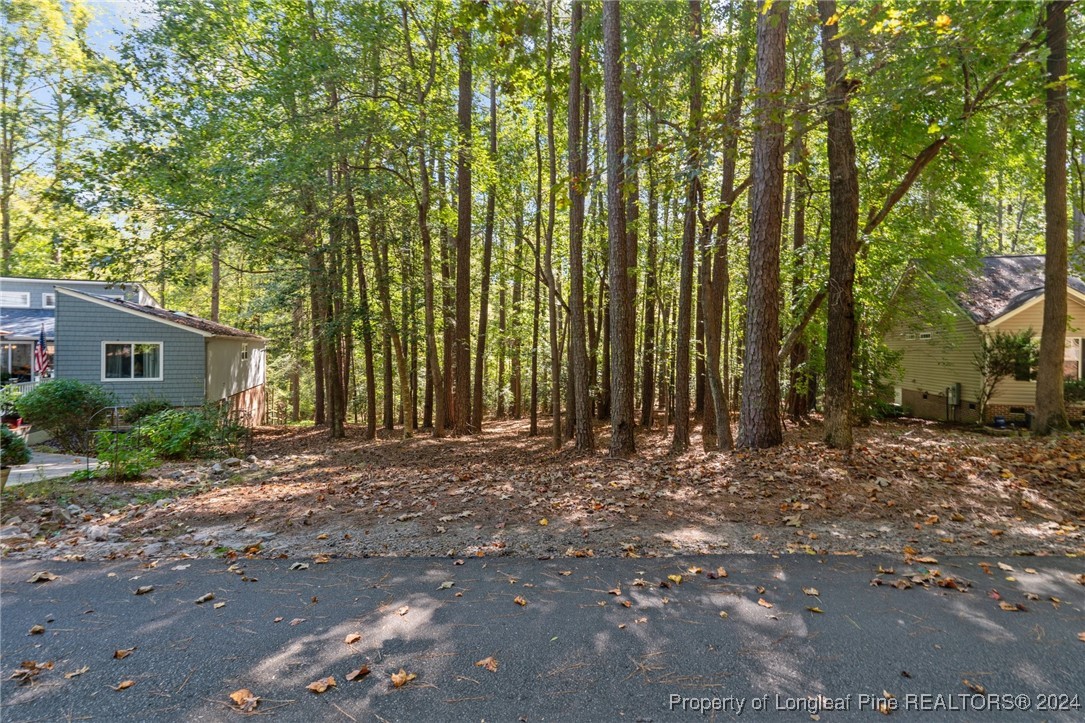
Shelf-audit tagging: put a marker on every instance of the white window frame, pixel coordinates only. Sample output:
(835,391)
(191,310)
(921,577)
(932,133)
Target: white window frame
(926,335)
(8,299)
(161,362)
(49,300)
(1080,354)
(244,352)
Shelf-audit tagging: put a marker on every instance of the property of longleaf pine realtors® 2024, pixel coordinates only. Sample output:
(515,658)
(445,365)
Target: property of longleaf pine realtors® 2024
(885,703)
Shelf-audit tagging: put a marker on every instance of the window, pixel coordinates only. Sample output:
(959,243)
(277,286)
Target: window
(244,352)
(1022,368)
(16,359)
(49,301)
(926,335)
(15,299)
(124,360)
(1072,359)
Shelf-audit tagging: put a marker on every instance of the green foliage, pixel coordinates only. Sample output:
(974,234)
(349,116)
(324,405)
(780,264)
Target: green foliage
(13,448)
(122,456)
(190,433)
(1001,355)
(1074,391)
(66,408)
(144,408)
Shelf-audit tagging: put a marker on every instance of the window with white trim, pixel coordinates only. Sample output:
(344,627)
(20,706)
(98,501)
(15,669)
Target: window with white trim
(48,300)
(15,299)
(926,335)
(244,352)
(131,360)
(1072,359)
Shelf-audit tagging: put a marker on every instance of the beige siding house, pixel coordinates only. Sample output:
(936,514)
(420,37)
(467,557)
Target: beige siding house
(936,324)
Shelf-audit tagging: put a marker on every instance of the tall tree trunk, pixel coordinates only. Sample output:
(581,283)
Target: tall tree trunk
(648,381)
(216,277)
(555,346)
(1050,400)
(581,413)
(363,302)
(680,442)
(759,421)
(516,381)
(621,304)
(463,238)
(843,238)
(487,255)
(295,368)
(716,429)
(448,302)
(433,362)
(502,345)
(533,429)
(798,394)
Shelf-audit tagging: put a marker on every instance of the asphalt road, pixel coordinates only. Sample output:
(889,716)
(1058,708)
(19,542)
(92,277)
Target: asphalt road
(573,652)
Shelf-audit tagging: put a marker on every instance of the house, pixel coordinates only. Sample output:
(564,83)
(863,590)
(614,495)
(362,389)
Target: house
(123,340)
(935,324)
(28,309)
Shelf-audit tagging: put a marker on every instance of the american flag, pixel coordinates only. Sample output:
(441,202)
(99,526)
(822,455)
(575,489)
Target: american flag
(41,355)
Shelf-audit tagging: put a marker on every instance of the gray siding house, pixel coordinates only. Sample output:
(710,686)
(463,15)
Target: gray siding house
(28,308)
(140,351)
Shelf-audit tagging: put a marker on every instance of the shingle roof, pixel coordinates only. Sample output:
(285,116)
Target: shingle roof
(26,323)
(177,317)
(999,285)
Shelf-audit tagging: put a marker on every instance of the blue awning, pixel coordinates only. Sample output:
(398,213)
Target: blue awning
(27,323)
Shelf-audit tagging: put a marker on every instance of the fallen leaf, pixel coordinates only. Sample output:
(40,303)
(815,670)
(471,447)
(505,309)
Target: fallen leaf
(124,685)
(359,673)
(626,604)
(78,672)
(489,664)
(300,566)
(1081,637)
(615,591)
(297,621)
(277,620)
(319,686)
(565,573)
(974,687)
(401,678)
(812,591)
(1010,607)
(245,700)
(519,601)
(123,653)
(544,522)
(445,585)
(28,670)
(815,609)
(43,576)
(322,559)
(403,610)
(793,520)
(37,630)
(205,598)
(352,638)
(1004,567)
(219,605)
(144,590)
(322,536)
(676,579)
(717,574)
(724,614)
(764,603)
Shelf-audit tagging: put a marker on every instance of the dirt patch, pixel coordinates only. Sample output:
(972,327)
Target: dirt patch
(906,485)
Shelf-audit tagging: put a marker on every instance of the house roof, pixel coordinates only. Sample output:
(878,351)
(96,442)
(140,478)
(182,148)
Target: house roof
(26,323)
(204,327)
(998,285)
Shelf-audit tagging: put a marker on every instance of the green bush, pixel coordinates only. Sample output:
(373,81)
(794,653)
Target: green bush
(66,408)
(13,449)
(145,407)
(123,456)
(1074,391)
(189,433)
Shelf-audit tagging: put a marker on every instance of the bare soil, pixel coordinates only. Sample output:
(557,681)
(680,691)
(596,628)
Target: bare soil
(910,487)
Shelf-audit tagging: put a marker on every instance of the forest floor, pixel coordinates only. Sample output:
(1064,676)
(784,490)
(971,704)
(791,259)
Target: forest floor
(911,487)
